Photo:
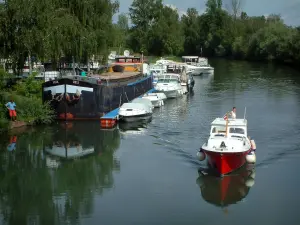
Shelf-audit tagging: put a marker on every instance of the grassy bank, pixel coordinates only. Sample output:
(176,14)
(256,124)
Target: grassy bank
(27,96)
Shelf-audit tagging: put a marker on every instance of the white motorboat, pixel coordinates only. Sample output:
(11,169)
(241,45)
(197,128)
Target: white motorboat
(198,65)
(156,70)
(138,109)
(228,147)
(170,85)
(157,99)
(143,101)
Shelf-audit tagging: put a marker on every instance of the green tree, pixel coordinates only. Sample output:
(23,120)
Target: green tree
(191,31)
(143,14)
(166,36)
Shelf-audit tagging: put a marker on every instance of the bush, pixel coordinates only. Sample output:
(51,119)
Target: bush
(29,87)
(3,116)
(29,109)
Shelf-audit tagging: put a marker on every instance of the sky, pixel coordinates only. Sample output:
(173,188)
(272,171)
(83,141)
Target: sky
(288,9)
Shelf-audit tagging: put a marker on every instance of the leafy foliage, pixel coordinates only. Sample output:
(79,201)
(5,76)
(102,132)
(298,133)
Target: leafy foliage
(50,29)
(29,109)
(158,30)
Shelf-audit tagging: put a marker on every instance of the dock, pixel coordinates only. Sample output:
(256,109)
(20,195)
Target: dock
(109,120)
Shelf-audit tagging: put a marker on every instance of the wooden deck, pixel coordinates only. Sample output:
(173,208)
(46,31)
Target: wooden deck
(117,75)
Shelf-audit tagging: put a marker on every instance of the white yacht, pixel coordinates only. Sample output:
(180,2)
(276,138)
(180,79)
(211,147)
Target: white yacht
(170,85)
(198,65)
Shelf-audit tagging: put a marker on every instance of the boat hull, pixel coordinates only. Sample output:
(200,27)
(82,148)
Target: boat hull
(75,99)
(172,93)
(226,162)
(200,71)
(136,118)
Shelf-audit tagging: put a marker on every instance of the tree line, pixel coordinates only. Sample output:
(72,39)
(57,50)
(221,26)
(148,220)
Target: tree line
(51,29)
(158,29)
(47,30)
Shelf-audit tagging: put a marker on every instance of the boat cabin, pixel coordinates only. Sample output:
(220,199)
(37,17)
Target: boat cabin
(128,59)
(168,78)
(235,127)
(195,60)
(190,59)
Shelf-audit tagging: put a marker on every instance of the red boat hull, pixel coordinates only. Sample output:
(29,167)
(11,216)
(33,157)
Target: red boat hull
(226,162)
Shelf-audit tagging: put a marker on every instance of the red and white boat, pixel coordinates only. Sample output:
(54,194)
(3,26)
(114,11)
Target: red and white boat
(228,147)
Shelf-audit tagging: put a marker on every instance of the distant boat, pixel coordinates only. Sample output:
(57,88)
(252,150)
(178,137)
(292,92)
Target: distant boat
(198,65)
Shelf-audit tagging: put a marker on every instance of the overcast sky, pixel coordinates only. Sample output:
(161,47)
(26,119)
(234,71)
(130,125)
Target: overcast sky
(288,9)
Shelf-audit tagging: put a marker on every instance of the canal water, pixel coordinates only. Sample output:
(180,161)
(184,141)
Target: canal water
(76,173)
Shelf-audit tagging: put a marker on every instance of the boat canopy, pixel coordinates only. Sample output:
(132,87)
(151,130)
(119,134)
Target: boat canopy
(132,105)
(235,126)
(231,122)
(142,101)
(190,57)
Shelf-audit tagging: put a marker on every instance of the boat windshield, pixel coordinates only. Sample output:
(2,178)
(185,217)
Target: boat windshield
(167,81)
(237,130)
(218,129)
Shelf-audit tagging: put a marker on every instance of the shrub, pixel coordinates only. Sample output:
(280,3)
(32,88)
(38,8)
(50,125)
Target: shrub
(29,109)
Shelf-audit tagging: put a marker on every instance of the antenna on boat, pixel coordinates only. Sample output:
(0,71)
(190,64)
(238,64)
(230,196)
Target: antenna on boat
(126,53)
(245,113)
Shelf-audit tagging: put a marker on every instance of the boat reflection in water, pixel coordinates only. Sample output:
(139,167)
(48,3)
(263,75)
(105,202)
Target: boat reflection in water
(227,190)
(136,127)
(80,139)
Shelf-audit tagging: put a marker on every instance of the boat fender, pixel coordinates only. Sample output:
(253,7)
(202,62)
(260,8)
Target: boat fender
(252,175)
(253,145)
(201,155)
(251,157)
(250,182)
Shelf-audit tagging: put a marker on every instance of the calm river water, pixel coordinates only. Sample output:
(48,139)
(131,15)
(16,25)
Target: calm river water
(148,174)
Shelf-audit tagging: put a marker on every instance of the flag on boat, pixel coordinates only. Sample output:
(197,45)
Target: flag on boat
(225,117)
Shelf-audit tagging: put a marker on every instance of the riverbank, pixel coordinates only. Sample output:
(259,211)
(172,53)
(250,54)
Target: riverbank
(29,106)
(30,111)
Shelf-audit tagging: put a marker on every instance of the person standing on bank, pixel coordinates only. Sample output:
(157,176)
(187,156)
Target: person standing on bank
(233,113)
(11,106)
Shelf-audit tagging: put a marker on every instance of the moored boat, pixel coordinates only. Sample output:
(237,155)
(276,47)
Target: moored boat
(228,146)
(198,65)
(90,97)
(157,99)
(170,85)
(141,109)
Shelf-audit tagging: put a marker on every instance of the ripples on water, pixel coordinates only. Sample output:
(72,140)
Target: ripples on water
(148,173)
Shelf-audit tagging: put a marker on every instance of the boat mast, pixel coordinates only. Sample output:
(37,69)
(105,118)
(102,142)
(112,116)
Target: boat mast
(227,124)
(245,114)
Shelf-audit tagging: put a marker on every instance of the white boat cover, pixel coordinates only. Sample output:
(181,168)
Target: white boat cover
(135,106)
(143,101)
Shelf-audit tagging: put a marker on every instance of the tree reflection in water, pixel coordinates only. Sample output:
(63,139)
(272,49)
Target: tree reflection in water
(32,191)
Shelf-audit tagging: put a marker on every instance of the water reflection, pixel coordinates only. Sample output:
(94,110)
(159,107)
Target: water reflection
(137,127)
(227,190)
(44,182)
(12,143)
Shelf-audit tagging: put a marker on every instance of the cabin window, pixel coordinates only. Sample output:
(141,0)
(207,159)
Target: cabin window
(173,81)
(218,129)
(167,81)
(237,130)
